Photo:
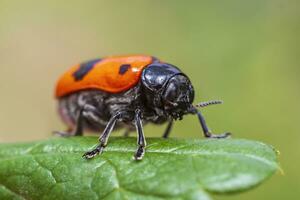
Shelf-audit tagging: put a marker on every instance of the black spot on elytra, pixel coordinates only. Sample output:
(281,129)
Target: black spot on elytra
(84,69)
(124,68)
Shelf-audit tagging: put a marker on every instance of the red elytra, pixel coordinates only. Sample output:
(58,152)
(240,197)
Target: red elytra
(111,74)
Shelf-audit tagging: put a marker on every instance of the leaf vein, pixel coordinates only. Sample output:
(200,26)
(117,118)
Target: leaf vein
(13,192)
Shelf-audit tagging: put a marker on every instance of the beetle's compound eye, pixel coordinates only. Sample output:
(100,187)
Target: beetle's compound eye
(178,95)
(172,92)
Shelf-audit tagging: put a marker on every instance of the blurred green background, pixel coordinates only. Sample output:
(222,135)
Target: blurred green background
(244,52)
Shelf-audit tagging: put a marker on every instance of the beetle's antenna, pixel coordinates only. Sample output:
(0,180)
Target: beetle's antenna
(207,103)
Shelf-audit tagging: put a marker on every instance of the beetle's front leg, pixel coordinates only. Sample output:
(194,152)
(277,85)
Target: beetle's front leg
(104,137)
(141,138)
(206,130)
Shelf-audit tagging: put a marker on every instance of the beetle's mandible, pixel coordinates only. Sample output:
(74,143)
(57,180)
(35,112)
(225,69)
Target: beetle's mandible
(125,91)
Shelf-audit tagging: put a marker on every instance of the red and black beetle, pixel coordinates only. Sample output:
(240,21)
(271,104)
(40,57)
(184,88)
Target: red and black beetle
(124,91)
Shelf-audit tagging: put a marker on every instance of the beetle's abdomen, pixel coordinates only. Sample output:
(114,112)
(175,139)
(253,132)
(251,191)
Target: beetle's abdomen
(97,107)
(94,119)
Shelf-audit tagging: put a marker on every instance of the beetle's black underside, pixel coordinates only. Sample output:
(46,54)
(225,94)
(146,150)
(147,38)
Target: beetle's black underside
(98,107)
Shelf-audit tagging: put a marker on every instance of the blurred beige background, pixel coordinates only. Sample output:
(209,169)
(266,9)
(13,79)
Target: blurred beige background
(244,52)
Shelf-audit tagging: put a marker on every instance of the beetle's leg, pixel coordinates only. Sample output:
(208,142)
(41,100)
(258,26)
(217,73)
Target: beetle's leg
(126,133)
(168,129)
(206,130)
(103,138)
(141,138)
(77,131)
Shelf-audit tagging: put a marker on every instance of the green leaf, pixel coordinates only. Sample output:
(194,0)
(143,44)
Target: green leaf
(171,169)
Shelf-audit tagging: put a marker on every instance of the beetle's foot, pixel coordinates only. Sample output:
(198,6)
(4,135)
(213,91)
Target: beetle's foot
(94,152)
(62,133)
(140,152)
(218,136)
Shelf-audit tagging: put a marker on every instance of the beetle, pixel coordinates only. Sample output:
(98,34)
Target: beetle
(125,91)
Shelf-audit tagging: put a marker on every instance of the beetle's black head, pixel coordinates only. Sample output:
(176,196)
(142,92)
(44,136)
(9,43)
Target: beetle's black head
(167,89)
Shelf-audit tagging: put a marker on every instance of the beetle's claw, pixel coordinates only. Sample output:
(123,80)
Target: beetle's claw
(139,154)
(219,136)
(93,153)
